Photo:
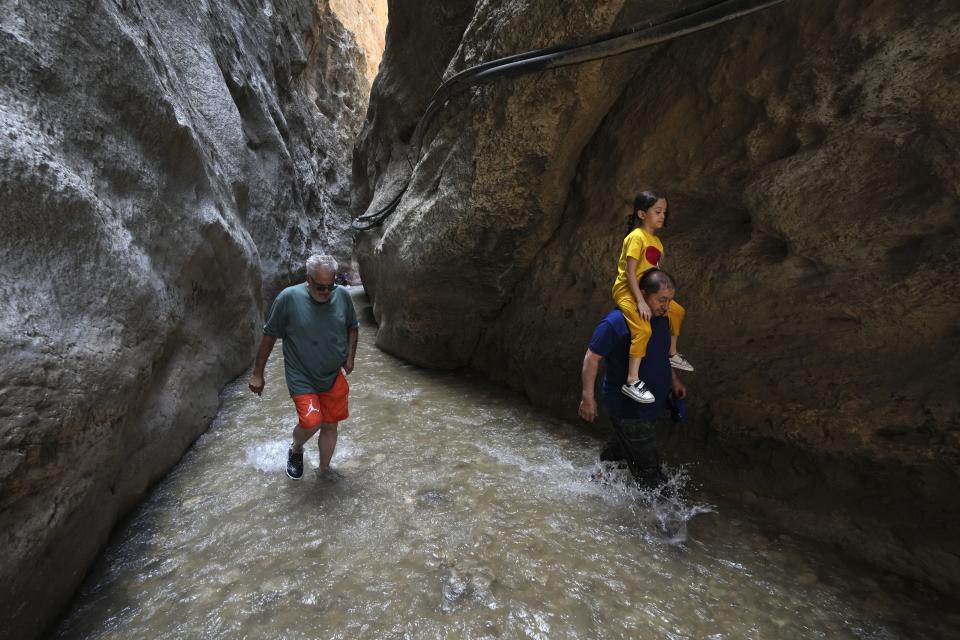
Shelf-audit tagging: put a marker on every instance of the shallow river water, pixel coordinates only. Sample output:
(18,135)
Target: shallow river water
(460,512)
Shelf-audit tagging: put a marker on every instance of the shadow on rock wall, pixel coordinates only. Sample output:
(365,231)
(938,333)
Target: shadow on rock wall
(164,168)
(810,153)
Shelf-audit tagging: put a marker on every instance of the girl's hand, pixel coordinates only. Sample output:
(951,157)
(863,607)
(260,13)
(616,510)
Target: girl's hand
(644,310)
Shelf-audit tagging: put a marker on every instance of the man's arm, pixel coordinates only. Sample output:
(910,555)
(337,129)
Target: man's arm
(256,378)
(588,381)
(352,334)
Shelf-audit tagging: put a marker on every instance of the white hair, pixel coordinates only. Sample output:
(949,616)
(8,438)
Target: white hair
(321,262)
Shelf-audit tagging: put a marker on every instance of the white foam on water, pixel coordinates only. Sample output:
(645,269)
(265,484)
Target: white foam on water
(268,457)
(665,506)
(345,451)
(271,456)
(549,464)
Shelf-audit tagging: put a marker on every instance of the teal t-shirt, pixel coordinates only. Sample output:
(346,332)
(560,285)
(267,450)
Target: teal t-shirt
(314,336)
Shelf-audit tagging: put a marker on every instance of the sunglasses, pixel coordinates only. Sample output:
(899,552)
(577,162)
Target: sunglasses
(322,288)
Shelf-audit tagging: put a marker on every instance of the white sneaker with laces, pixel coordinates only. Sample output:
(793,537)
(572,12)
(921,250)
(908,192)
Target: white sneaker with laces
(677,361)
(638,392)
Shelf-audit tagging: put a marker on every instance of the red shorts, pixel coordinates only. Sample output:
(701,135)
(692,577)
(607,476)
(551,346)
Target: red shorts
(328,407)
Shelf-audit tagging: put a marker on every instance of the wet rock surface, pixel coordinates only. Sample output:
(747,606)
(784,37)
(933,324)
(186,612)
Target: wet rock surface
(164,168)
(810,153)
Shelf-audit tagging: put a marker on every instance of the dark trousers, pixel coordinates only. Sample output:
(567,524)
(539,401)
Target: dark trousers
(634,441)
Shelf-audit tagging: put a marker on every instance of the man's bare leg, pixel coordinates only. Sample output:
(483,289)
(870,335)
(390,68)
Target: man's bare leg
(301,436)
(327,442)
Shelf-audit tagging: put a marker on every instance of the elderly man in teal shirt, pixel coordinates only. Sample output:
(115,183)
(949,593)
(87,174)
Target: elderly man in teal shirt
(318,325)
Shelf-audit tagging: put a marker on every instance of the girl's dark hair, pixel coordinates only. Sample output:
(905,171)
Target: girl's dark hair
(643,201)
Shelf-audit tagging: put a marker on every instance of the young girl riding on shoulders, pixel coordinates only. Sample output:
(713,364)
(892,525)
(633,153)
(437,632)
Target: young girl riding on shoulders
(642,250)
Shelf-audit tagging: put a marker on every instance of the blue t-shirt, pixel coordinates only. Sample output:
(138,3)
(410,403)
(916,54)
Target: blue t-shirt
(611,339)
(314,336)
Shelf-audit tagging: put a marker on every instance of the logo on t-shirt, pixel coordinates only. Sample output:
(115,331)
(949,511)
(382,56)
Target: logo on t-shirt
(652,254)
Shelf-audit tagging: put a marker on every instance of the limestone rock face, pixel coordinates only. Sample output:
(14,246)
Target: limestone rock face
(165,166)
(367,21)
(811,157)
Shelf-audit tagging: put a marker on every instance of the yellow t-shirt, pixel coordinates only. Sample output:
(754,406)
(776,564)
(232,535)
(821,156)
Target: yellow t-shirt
(646,249)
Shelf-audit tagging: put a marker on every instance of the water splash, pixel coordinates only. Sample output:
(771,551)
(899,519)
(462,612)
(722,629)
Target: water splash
(665,506)
(267,457)
(271,456)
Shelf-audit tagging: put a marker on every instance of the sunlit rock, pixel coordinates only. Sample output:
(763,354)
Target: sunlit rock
(367,21)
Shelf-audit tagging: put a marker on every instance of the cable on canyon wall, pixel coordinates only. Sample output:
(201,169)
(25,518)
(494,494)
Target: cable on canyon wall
(702,16)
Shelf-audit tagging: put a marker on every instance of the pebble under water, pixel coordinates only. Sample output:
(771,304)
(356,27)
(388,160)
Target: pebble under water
(458,511)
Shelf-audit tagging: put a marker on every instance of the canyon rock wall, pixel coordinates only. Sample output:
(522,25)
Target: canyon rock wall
(811,156)
(165,167)
(367,21)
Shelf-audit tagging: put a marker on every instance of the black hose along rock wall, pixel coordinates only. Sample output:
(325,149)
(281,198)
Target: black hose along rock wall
(811,154)
(164,168)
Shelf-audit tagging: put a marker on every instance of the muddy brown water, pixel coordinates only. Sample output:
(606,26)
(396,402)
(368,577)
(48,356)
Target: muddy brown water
(460,512)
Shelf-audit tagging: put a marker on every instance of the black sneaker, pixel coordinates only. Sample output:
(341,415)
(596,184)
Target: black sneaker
(295,464)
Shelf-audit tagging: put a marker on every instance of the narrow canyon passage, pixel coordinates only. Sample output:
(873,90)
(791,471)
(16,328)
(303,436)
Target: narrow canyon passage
(461,512)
